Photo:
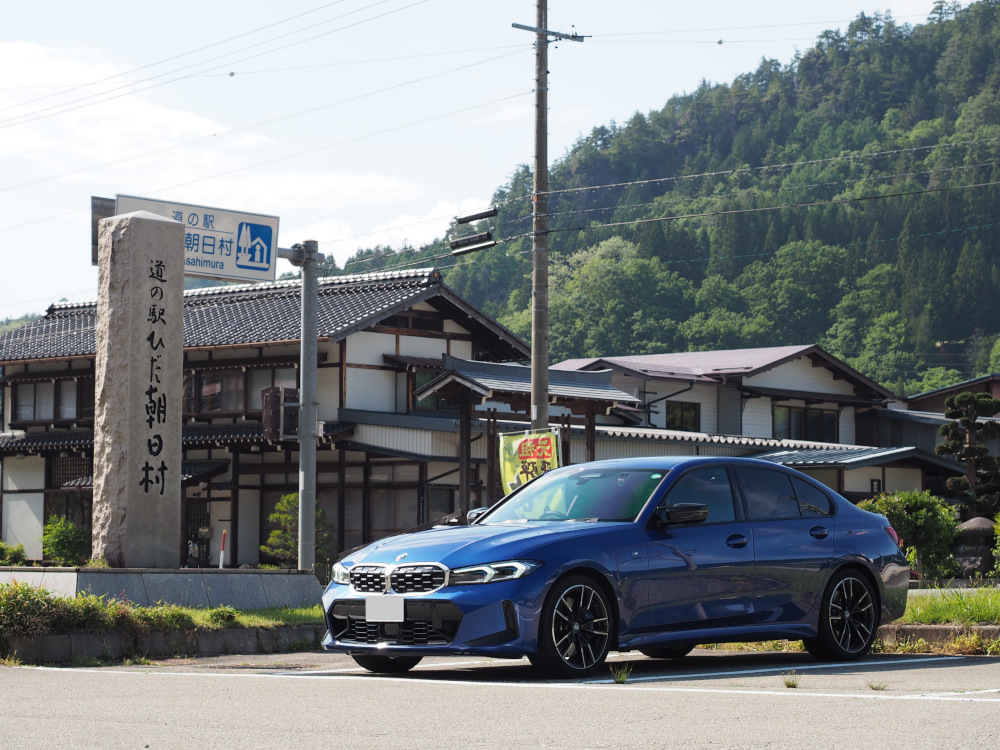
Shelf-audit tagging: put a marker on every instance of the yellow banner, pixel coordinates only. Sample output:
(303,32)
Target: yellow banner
(526,456)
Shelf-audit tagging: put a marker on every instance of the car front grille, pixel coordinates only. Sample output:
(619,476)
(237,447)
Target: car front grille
(427,623)
(412,579)
(399,579)
(369,579)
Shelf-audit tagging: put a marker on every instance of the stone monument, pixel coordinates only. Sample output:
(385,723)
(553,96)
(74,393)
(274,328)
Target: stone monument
(139,391)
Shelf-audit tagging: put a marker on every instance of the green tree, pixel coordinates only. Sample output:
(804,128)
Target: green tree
(283,542)
(64,542)
(965,438)
(926,528)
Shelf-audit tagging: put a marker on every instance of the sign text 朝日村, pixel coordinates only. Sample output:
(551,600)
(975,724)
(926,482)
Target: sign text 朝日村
(218,243)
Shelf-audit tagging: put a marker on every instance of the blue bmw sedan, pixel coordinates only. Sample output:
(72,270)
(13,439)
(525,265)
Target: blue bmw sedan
(655,555)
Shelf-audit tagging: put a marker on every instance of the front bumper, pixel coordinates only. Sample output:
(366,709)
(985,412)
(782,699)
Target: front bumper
(498,619)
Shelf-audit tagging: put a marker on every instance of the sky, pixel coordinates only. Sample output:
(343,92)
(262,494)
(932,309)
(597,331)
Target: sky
(357,122)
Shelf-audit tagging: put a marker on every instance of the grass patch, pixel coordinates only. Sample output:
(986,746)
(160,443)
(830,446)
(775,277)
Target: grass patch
(793,646)
(620,672)
(28,611)
(976,606)
(791,679)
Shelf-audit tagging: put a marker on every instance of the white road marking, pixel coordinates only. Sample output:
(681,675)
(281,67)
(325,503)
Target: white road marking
(978,696)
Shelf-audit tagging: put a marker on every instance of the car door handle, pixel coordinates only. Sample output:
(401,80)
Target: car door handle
(818,532)
(736,541)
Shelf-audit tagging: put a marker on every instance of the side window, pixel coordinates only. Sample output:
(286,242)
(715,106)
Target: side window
(709,487)
(769,494)
(812,500)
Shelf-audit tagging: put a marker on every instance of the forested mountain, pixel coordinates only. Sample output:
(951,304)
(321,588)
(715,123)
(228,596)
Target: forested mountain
(849,198)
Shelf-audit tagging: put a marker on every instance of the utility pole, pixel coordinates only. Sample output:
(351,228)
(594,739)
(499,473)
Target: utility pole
(306,257)
(540,220)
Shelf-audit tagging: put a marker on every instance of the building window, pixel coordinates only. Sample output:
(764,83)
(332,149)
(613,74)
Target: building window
(805,423)
(34,402)
(232,391)
(684,416)
(435,402)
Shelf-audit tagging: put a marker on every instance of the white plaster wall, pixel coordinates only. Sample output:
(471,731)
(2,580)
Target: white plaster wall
(902,479)
(757,418)
(23,518)
(421,346)
(27,473)
(800,375)
(860,480)
(328,393)
(367,348)
(373,390)
(461,349)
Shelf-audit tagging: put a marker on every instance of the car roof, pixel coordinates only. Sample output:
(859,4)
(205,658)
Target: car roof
(674,462)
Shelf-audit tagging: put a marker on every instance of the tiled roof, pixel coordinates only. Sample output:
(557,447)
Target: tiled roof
(250,314)
(247,433)
(494,378)
(191,472)
(855,457)
(714,366)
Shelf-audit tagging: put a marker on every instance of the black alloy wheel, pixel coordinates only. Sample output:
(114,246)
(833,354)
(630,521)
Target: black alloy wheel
(848,619)
(575,633)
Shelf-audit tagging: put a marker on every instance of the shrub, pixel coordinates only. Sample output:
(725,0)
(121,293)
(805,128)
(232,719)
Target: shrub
(12,555)
(64,542)
(25,610)
(222,615)
(925,524)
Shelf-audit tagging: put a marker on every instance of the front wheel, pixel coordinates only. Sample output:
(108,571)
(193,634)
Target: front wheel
(386,664)
(575,633)
(848,619)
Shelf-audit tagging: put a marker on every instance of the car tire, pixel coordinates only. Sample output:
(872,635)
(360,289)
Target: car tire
(386,664)
(575,634)
(666,652)
(848,619)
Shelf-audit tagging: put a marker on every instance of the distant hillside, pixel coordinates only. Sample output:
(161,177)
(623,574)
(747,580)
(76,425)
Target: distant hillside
(850,198)
(8,323)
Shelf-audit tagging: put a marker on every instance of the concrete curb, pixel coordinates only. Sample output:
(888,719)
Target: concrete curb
(62,648)
(895,634)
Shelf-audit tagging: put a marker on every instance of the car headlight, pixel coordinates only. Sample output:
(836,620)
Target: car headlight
(492,572)
(341,574)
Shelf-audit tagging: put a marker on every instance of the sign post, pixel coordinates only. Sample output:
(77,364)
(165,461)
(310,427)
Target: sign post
(218,243)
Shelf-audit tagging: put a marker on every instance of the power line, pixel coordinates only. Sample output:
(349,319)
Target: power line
(77,87)
(253,126)
(85,101)
(275,160)
(760,209)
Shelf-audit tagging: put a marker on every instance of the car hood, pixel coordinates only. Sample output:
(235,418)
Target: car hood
(455,546)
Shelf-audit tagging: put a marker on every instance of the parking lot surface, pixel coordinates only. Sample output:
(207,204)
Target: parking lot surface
(710,699)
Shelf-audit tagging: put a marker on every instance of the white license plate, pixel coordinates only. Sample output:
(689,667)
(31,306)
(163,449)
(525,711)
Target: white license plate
(385,608)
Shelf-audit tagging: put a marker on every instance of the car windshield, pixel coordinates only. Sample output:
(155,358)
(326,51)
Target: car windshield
(580,494)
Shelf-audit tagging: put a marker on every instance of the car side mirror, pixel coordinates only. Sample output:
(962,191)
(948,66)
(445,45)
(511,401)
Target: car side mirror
(671,515)
(475,513)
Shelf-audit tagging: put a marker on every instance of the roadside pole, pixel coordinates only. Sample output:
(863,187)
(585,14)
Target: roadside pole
(306,257)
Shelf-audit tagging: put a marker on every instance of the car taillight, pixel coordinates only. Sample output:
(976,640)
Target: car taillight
(892,534)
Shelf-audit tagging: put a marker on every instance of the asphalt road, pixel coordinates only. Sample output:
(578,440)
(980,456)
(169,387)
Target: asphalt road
(315,700)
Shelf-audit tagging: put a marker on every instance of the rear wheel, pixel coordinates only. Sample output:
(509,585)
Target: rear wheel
(666,652)
(386,664)
(848,619)
(575,633)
